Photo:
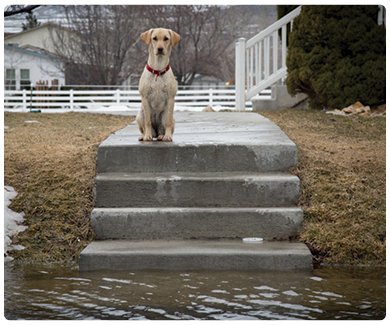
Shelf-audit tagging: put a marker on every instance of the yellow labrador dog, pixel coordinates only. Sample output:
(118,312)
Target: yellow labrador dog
(157,87)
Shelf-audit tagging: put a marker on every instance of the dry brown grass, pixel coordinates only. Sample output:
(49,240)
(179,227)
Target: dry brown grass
(342,168)
(51,164)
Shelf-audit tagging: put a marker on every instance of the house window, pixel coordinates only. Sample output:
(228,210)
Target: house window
(25,81)
(10,79)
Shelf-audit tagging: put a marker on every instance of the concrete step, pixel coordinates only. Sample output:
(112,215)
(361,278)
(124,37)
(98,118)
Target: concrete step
(194,255)
(208,142)
(186,223)
(196,190)
(209,157)
(280,99)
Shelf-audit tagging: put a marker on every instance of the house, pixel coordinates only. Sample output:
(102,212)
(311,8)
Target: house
(28,58)
(205,82)
(24,66)
(38,37)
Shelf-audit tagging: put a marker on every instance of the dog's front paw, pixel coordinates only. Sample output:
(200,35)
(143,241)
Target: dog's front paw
(145,138)
(167,138)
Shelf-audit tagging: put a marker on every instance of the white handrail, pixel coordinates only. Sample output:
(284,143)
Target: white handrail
(382,15)
(256,68)
(275,26)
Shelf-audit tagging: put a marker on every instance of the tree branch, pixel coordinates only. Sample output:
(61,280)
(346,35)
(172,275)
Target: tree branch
(15,9)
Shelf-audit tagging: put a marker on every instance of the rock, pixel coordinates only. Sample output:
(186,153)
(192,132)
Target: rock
(208,109)
(351,109)
(358,104)
(363,110)
(357,108)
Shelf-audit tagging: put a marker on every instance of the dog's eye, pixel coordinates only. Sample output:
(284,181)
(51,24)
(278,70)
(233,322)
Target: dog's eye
(154,38)
(166,38)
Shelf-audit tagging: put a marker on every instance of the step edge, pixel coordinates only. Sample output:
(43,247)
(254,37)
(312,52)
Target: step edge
(286,259)
(178,176)
(195,209)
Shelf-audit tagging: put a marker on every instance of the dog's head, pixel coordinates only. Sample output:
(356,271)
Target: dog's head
(161,40)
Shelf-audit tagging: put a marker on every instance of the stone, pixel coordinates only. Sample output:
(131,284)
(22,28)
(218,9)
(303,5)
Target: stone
(356,108)
(208,109)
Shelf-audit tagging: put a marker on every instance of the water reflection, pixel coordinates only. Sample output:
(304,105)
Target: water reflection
(33,292)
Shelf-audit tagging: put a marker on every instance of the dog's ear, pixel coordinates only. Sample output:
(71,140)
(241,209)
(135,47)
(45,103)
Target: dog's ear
(147,37)
(175,38)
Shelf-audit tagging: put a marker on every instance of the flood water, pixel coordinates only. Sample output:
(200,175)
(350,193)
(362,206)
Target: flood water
(330,293)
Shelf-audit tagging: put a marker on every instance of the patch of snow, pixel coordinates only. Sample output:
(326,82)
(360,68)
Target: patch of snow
(12,222)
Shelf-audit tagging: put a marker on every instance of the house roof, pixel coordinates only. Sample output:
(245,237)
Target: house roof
(36,49)
(32,29)
(33,53)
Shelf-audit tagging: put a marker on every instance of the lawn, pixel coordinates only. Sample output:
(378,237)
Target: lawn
(51,165)
(342,167)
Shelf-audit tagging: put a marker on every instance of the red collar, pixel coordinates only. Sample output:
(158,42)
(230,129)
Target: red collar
(157,72)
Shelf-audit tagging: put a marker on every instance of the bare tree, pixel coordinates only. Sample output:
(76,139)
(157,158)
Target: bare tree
(97,44)
(207,34)
(104,46)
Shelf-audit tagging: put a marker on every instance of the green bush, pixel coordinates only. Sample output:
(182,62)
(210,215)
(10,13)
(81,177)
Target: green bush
(337,56)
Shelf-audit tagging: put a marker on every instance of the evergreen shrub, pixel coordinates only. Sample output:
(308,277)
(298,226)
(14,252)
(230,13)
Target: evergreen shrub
(337,56)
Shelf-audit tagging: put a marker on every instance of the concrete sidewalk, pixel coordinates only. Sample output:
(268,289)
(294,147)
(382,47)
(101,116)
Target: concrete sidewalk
(187,204)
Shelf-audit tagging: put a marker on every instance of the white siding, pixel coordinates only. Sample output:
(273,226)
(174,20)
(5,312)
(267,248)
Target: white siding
(41,67)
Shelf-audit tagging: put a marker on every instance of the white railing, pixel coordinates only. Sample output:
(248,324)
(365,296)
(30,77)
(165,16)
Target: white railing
(261,61)
(382,15)
(131,98)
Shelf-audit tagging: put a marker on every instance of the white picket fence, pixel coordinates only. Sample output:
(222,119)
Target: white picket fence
(261,61)
(131,98)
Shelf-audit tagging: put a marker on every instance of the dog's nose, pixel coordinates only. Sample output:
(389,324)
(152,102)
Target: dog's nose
(160,50)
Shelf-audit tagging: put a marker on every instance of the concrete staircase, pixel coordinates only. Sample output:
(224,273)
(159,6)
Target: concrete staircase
(280,99)
(188,204)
